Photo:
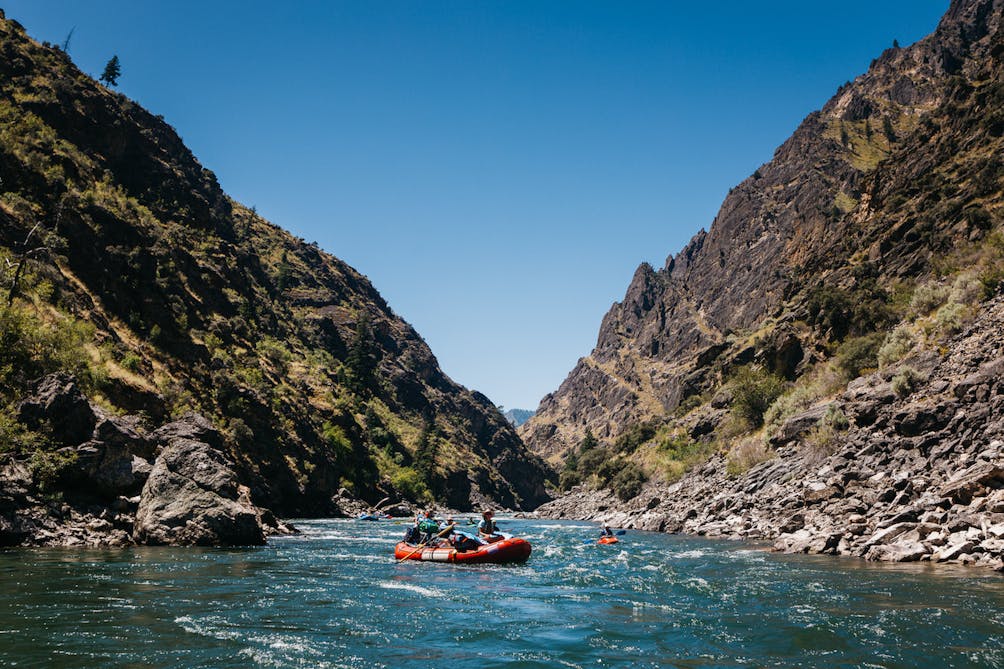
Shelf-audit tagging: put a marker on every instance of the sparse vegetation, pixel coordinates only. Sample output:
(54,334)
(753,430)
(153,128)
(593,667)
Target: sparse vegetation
(746,454)
(112,72)
(822,441)
(906,381)
(896,345)
(856,356)
(753,391)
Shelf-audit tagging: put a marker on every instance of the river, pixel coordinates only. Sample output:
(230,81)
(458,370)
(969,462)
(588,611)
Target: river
(334,597)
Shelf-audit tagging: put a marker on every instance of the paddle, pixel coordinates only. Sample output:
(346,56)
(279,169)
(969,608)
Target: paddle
(424,543)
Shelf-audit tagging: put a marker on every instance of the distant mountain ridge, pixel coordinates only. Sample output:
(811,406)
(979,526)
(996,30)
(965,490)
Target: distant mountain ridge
(518,416)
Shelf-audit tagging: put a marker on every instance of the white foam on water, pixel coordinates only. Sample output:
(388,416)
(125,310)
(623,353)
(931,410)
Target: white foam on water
(689,555)
(210,626)
(411,587)
(265,658)
(698,582)
(551,550)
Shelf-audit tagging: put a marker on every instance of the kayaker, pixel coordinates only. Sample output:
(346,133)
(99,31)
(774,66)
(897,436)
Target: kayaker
(487,529)
(607,532)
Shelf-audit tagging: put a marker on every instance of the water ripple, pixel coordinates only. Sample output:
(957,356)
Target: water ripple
(335,597)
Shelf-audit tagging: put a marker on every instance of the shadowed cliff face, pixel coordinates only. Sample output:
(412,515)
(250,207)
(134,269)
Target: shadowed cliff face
(877,185)
(195,302)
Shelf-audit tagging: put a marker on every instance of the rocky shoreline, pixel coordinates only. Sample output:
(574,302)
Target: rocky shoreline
(915,478)
(113,484)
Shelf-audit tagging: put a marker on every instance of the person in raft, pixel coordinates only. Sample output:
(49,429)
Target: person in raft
(428,527)
(487,529)
(607,532)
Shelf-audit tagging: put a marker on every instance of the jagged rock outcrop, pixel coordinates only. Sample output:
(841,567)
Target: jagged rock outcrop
(119,484)
(893,191)
(915,478)
(899,167)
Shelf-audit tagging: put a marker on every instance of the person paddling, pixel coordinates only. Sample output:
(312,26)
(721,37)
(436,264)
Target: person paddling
(607,532)
(487,529)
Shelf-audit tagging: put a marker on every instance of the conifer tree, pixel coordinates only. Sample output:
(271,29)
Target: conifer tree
(112,71)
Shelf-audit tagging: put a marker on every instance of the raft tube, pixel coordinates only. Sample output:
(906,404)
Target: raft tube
(607,540)
(506,551)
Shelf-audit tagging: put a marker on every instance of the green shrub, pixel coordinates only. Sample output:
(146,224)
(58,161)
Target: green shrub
(835,418)
(569,478)
(991,279)
(335,436)
(859,354)
(679,446)
(928,297)
(951,317)
(967,289)
(753,391)
(591,460)
(843,313)
(31,347)
(48,467)
(15,437)
(609,468)
(823,439)
(896,345)
(822,381)
(629,481)
(906,381)
(635,436)
(688,404)
(240,432)
(410,484)
(131,361)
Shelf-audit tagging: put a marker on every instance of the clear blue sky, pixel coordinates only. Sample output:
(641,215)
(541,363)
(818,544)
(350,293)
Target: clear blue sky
(497,169)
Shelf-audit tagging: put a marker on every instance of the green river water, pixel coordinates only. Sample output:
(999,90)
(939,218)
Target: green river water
(334,597)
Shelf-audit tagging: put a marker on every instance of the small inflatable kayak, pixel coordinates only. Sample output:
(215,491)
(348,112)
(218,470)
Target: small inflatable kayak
(505,551)
(371,516)
(607,540)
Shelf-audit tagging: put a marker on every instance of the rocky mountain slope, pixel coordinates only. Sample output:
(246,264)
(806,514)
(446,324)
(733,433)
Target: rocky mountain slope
(916,476)
(125,265)
(865,246)
(861,204)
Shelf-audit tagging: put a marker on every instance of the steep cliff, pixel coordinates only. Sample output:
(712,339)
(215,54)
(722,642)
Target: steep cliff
(127,266)
(893,187)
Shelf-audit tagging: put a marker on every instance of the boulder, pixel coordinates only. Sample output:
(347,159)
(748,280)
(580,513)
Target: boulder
(966,484)
(953,551)
(192,426)
(123,432)
(56,400)
(799,424)
(105,469)
(905,552)
(192,497)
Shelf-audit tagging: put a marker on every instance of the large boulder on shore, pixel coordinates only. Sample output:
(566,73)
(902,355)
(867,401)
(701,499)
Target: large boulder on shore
(192,497)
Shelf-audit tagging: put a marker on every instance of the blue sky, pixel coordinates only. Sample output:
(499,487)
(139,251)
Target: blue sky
(497,169)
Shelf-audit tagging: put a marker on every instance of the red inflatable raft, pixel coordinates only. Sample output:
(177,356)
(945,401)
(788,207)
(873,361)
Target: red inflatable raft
(500,552)
(607,540)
